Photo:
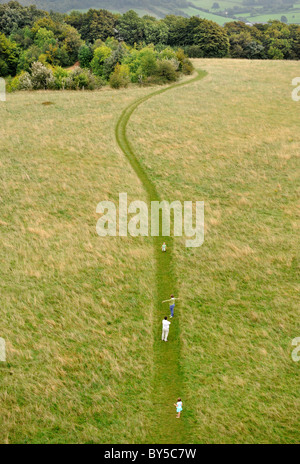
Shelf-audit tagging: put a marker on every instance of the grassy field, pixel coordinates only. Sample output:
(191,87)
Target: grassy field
(293,15)
(232,141)
(80,314)
(76,309)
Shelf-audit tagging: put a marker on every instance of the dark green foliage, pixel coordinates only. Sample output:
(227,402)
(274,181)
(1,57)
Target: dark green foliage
(212,38)
(93,25)
(165,72)
(178,30)
(14,16)
(28,57)
(131,28)
(194,51)
(85,56)
(116,57)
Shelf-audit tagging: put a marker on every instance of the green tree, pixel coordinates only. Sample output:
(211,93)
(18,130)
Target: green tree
(178,28)
(14,16)
(275,54)
(131,27)
(141,63)
(116,57)
(85,56)
(27,57)
(9,55)
(71,40)
(295,38)
(155,32)
(97,24)
(212,38)
(43,38)
(100,55)
(120,77)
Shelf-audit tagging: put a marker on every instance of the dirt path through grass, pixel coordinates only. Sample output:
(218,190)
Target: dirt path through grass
(168,382)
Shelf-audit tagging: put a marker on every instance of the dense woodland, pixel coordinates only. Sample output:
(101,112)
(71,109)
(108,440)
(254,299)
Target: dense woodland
(125,47)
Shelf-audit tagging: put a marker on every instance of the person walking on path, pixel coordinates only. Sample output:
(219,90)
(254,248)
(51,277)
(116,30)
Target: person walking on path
(178,408)
(165,329)
(172,305)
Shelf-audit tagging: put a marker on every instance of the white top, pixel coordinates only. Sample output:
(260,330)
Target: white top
(166,324)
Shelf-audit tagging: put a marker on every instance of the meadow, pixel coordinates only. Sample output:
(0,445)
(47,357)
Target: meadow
(80,313)
(292,14)
(232,140)
(76,309)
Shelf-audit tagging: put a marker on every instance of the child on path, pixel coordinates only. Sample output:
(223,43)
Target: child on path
(172,305)
(164,247)
(165,329)
(178,408)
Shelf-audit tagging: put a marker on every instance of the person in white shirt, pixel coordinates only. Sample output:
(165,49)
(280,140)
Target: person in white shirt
(165,329)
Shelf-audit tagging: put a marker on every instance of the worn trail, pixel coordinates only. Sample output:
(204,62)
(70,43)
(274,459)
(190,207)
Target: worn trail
(168,381)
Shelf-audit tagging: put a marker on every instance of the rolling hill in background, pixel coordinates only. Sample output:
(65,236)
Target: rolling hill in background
(219,11)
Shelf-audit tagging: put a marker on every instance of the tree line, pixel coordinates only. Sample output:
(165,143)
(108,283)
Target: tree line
(29,35)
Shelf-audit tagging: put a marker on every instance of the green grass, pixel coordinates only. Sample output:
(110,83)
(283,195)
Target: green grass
(210,16)
(293,17)
(168,375)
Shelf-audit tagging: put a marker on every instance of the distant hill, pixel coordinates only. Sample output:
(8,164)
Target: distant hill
(218,11)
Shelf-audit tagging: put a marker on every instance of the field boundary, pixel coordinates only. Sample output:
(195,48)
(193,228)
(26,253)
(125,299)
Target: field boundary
(167,382)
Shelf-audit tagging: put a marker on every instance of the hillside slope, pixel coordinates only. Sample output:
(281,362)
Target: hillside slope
(218,11)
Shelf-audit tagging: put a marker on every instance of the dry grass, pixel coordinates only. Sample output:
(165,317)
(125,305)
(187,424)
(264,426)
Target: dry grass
(76,309)
(232,140)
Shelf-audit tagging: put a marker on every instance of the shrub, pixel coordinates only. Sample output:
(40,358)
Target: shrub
(100,55)
(111,62)
(81,79)
(85,56)
(187,67)
(120,77)
(167,54)
(25,82)
(60,75)
(41,76)
(194,51)
(20,82)
(166,71)
(275,54)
